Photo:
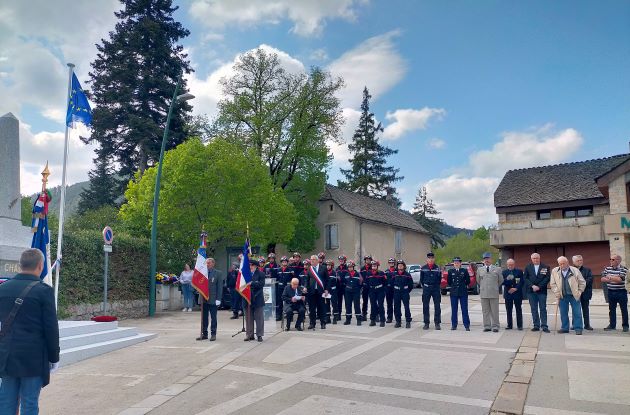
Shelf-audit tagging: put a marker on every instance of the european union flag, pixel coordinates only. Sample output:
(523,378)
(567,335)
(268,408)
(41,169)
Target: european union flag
(78,105)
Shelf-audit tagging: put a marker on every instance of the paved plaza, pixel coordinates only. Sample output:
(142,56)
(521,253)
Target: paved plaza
(353,370)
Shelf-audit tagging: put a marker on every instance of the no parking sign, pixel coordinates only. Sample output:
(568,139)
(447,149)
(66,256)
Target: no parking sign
(108,235)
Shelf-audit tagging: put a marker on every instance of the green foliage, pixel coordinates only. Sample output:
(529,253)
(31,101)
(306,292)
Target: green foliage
(102,188)
(215,187)
(26,210)
(286,119)
(368,175)
(132,82)
(469,248)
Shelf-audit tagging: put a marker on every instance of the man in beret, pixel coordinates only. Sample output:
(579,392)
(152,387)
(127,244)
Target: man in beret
(490,278)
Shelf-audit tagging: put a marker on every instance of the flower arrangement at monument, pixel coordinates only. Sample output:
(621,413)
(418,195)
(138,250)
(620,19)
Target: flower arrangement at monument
(166,279)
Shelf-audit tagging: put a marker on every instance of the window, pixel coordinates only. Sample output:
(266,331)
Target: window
(543,214)
(332,237)
(331,207)
(578,212)
(398,242)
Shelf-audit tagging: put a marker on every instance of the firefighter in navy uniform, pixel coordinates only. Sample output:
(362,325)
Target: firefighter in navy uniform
(377,282)
(459,280)
(271,271)
(235,296)
(365,289)
(389,289)
(284,277)
(352,282)
(321,257)
(298,266)
(430,277)
(342,283)
(402,283)
(332,286)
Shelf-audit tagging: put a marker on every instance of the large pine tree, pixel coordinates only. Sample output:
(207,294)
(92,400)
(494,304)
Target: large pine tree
(102,189)
(132,83)
(369,175)
(425,213)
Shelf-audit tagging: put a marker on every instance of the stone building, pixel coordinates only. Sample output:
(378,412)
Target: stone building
(565,209)
(356,225)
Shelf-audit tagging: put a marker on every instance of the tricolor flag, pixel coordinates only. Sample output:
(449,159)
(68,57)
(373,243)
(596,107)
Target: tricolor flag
(41,236)
(311,270)
(200,274)
(244,278)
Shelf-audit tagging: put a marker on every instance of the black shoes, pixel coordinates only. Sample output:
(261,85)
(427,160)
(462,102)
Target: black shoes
(235,316)
(437,326)
(467,328)
(372,323)
(495,330)
(323,326)
(299,328)
(545,329)
(408,325)
(213,337)
(311,326)
(578,332)
(202,338)
(589,328)
(397,325)
(563,331)
(535,329)
(520,329)
(426,326)
(508,328)
(248,338)
(389,320)
(259,339)
(453,327)
(625,329)
(288,328)
(382,324)
(608,328)
(358,321)
(486,330)
(347,322)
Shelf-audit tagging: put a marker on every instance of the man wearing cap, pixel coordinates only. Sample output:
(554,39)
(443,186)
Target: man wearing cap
(285,275)
(254,312)
(271,271)
(513,285)
(377,280)
(490,279)
(459,280)
(235,296)
(430,278)
(342,283)
(298,266)
(365,289)
(352,282)
(215,291)
(537,276)
(402,284)
(390,273)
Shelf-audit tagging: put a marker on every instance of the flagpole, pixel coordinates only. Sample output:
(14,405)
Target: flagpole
(62,200)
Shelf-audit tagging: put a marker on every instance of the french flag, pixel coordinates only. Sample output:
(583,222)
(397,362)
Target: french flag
(244,278)
(200,274)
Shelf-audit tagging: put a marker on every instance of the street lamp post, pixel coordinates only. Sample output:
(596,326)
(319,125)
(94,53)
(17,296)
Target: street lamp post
(156,197)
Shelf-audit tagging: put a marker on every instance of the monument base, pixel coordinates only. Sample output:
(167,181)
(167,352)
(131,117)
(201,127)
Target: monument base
(14,239)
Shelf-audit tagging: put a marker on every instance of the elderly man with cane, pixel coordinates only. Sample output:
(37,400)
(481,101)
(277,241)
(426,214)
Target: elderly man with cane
(568,284)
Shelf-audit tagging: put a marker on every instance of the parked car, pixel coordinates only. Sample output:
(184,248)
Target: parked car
(414,270)
(473,287)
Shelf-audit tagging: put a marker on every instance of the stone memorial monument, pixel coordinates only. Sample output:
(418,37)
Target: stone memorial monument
(14,237)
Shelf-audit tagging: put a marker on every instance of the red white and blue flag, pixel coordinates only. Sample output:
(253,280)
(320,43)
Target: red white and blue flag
(311,270)
(41,236)
(200,274)
(244,278)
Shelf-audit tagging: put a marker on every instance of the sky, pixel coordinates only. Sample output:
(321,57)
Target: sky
(465,90)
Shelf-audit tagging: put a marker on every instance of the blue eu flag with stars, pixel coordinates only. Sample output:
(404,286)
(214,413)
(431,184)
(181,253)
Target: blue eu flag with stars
(78,105)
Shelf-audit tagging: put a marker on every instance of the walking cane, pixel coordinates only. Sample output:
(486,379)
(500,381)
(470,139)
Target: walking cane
(555,324)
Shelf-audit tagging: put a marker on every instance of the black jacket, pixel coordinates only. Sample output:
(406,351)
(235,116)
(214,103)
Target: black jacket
(588,276)
(258,282)
(430,277)
(541,279)
(517,282)
(311,283)
(458,280)
(33,340)
(288,293)
(402,283)
(352,282)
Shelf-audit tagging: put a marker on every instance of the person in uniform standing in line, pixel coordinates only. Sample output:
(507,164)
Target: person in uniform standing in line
(490,280)
(402,283)
(459,280)
(285,275)
(271,271)
(430,278)
(235,296)
(586,296)
(377,281)
(332,285)
(365,289)
(298,266)
(352,295)
(537,277)
(390,273)
(254,312)
(342,283)
(513,286)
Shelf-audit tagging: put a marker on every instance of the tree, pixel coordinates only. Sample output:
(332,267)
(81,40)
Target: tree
(469,248)
(286,119)
(102,188)
(424,212)
(132,82)
(216,187)
(368,174)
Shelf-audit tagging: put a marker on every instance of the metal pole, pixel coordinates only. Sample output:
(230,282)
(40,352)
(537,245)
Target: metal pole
(105,282)
(62,201)
(156,199)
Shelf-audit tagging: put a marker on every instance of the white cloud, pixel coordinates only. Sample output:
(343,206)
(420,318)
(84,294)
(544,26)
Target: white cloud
(537,147)
(466,197)
(308,17)
(375,63)
(319,55)
(404,121)
(436,143)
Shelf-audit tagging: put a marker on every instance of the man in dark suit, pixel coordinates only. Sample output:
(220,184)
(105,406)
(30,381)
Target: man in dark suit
(586,296)
(29,345)
(513,284)
(537,277)
(215,290)
(294,299)
(316,288)
(255,312)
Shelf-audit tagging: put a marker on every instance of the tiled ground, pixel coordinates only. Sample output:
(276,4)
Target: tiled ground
(345,370)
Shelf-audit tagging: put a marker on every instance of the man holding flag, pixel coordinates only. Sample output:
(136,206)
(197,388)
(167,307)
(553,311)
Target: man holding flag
(209,283)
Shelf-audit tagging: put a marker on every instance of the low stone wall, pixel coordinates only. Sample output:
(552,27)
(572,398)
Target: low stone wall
(121,309)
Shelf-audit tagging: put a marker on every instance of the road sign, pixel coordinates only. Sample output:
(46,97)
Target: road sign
(108,235)
(107,248)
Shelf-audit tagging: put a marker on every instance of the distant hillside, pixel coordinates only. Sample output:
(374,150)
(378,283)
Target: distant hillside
(72,197)
(451,231)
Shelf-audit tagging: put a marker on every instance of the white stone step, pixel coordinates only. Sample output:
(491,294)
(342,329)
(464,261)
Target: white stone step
(76,354)
(75,328)
(69,342)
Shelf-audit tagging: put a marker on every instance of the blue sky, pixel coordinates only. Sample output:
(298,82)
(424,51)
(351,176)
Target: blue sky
(466,90)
